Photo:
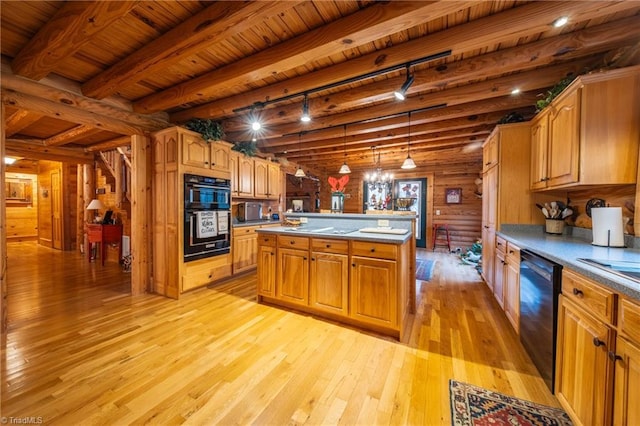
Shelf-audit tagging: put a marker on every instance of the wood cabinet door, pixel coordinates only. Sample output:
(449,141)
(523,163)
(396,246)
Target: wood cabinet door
(274,185)
(266,273)
(512,293)
(233,168)
(564,140)
(219,157)
(583,369)
(539,150)
(490,183)
(245,251)
(293,276)
(195,151)
(373,291)
(245,176)
(329,282)
(488,254)
(261,177)
(626,408)
(498,278)
(490,152)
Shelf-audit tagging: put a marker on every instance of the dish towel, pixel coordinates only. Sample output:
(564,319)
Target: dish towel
(223,222)
(206,224)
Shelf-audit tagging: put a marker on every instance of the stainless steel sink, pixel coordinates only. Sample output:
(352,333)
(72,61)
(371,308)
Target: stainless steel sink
(625,268)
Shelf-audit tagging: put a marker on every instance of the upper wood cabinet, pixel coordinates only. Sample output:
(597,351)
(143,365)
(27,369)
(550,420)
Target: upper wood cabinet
(490,153)
(589,134)
(255,178)
(206,155)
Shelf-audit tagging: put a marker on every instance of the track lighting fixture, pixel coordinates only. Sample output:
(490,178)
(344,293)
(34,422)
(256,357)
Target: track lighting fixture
(400,94)
(408,162)
(300,173)
(305,118)
(345,168)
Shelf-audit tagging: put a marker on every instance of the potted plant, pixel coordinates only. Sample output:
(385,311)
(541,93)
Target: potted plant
(209,130)
(247,148)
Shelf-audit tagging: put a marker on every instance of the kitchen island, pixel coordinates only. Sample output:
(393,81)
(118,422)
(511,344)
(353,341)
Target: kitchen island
(360,276)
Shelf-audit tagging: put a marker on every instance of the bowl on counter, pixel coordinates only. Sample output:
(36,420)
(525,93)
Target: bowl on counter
(404,203)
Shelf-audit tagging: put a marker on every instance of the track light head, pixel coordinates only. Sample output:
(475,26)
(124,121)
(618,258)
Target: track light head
(305,117)
(400,94)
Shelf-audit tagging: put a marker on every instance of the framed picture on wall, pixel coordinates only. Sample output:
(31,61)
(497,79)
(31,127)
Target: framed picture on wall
(453,195)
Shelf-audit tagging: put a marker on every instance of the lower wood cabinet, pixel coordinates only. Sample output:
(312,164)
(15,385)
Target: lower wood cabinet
(205,271)
(329,276)
(626,406)
(598,353)
(361,283)
(267,265)
(244,247)
(292,270)
(583,368)
(373,292)
(512,286)
(498,270)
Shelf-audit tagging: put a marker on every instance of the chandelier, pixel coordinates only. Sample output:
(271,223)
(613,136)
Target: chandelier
(378,179)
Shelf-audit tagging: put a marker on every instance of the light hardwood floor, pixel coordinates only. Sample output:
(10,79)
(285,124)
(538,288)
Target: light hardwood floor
(80,350)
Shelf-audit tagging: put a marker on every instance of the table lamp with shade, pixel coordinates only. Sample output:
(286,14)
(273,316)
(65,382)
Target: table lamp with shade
(96,205)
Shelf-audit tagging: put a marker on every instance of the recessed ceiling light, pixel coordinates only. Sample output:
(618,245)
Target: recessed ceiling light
(256,125)
(560,21)
(254,139)
(9,160)
(515,91)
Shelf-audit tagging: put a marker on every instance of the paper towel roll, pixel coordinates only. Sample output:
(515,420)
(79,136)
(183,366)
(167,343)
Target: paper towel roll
(607,226)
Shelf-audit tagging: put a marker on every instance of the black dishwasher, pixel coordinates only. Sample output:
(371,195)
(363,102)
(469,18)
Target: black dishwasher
(540,285)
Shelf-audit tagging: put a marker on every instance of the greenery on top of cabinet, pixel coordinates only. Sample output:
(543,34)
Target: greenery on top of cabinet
(209,130)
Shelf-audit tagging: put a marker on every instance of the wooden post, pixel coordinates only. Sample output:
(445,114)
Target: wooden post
(140,217)
(117,166)
(80,208)
(88,191)
(3,235)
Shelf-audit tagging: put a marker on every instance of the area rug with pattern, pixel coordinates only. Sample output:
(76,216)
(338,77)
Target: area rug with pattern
(472,405)
(424,269)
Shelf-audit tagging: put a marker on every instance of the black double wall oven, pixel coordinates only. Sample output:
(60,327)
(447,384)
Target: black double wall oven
(207,217)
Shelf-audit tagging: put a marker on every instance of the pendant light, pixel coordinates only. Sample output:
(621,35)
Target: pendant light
(345,168)
(299,173)
(408,162)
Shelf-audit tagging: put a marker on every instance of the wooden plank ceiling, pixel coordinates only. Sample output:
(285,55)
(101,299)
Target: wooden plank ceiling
(82,76)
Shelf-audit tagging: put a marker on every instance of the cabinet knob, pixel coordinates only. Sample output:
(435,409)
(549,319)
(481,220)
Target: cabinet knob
(292,242)
(597,342)
(373,250)
(614,356)
(353,265)
(578,292)
(486,227)
(271,254)
(328,245)
(209,275)
(499,244)
(313,258)
(511,251)
(487,163)
(206,162)
(304,258)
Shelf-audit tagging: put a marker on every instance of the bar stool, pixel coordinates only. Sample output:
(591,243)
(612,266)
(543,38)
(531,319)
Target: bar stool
(441,236)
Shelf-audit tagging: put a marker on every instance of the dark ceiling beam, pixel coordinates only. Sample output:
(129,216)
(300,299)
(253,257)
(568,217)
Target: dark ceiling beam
(353,30)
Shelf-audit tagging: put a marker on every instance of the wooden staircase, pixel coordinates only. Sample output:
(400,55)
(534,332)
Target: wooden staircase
(116,167)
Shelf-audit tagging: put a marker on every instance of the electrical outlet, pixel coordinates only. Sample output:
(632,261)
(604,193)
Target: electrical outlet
(437,212)
(303,220)
(383,222)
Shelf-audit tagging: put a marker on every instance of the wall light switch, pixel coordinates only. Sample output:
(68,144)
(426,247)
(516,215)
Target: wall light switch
(437,212)
(383,222)
(303,220)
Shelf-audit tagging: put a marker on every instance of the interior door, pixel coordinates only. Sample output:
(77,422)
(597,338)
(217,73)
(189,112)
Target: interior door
(56,210)
(417,189)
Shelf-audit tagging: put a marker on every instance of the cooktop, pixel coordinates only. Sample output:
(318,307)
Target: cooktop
(625,268)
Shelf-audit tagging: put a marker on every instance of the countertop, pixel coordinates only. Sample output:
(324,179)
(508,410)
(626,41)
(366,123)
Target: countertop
(354,235)
(256,223)
(567,248)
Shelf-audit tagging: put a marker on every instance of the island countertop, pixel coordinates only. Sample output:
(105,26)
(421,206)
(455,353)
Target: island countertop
(337,233)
